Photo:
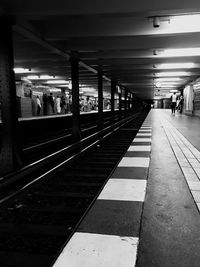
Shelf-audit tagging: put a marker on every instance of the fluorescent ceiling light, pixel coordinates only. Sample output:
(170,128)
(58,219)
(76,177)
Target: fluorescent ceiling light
(186,65)
(179,52)
(88,89)
(58,82)
(177,73)
(178,24)
(169,82)
(169,79)
(173,91)
(159,85)
(40,77)
(54,90)
(185,23)
(61,83)
(167,86)
(21,70)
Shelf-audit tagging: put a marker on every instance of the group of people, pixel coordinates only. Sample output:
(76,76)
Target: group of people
(86,104)
(176,103)
(60,104)
(63,104)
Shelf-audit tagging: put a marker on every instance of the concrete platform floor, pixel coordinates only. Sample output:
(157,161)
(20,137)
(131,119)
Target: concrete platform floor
(147,215)
(170,230)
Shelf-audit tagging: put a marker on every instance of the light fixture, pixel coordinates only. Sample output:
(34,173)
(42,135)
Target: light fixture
(155,53)
(173,91)
(168,86)
(169,79)
(176,23)
(168,74)
(156,22)
(168,83)
(186,65)
(39,77)
(21,70)
(85,89)
(158,84)
(54,90)
(57,82)
(185,23)
(179,52)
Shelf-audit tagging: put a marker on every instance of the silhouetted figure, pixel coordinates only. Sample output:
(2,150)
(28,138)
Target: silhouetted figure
(58,104)
(180,105)
(38,105)
(45,99)
(173,104)
(51,102)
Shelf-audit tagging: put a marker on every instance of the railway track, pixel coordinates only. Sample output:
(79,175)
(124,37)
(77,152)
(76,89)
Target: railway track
(38,219)
(36,149)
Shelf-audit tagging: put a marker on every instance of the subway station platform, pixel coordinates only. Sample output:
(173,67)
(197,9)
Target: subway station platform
(147,214)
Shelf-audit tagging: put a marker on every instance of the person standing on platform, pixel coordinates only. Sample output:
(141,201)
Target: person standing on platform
(58,102)
(38,105)
(51,102)
(173,104)
(63,105)
(180,106)
(45,104)
(67,103)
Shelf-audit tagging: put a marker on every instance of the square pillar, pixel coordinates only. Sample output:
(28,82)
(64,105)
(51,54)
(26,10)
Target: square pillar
(120,104)
(100,100)
(76,130)
(113,89)
(125,102)
(11,152)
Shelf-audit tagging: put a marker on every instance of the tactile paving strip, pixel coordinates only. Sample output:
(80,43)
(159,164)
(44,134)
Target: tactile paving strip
(188,158)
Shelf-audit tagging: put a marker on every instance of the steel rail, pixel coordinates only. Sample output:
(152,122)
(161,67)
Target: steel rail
(82,145)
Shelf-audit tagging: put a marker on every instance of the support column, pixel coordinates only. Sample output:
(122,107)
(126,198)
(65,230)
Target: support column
(125,102)
(120,104)
(132,102)
(113,89)
(129,101)
(100,100)
(10,153)
(76,131)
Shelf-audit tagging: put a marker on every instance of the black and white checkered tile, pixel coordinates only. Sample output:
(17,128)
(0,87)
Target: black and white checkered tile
(109,234)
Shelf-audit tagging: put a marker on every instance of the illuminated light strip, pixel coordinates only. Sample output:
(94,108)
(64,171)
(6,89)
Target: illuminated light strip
(186,65)
(169,79)
(182,52)
(177,73)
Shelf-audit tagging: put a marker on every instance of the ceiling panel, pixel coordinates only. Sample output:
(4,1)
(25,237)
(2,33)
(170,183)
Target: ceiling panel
(116,37)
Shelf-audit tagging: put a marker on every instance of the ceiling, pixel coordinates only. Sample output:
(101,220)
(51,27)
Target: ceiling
(115,36)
